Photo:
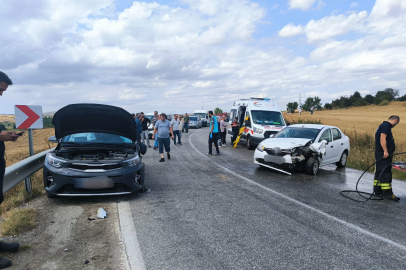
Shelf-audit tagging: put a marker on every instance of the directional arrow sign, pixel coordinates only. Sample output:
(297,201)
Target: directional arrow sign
(28,116)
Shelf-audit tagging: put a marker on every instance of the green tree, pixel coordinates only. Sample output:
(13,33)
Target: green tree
(312,102)
(291,106)
(388,94)
(217,111)
(14,125)
(47,120)
(402,98)
(328,106)
(369,99)
(2,126)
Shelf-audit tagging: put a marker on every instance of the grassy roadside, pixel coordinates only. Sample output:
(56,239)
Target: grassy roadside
(16,220)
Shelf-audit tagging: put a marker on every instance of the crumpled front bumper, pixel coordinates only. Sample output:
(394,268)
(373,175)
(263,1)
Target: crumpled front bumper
(263,159)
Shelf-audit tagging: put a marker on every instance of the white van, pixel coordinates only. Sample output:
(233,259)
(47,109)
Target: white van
(265,119)
(204,115)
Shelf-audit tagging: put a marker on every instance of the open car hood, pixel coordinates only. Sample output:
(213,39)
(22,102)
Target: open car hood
(82,118)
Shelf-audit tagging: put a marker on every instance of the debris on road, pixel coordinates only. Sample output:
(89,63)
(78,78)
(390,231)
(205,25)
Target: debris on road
(87,262)
(101,213)
(66,250)
(91,218)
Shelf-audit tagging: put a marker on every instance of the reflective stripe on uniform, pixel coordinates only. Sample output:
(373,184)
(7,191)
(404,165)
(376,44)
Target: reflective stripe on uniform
(375,183)
(386,186)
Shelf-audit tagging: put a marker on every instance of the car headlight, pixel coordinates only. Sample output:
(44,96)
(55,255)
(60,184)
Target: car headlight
(260,147)
(54,161)
(258,130)
(132,161)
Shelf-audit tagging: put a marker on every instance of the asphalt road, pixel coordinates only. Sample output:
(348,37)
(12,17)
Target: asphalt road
(225,212)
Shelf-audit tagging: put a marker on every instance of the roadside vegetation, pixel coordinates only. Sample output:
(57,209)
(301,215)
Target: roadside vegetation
(18,221)
(15,152)
(360,124)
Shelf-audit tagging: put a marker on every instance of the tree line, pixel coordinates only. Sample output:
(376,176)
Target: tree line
(355,100)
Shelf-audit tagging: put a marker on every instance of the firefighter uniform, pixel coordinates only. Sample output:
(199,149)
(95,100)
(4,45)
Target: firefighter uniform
(383,166)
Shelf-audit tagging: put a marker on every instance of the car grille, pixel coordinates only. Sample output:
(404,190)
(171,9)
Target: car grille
(89,167)
(274,153)
(269,133)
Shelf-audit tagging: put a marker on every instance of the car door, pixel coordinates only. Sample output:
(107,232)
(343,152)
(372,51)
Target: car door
(338,144)
(328,156)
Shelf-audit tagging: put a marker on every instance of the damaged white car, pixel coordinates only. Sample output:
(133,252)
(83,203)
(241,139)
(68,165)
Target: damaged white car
(305,147)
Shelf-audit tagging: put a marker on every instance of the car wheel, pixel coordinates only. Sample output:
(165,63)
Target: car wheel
(50,195)
(312,166)
(343,160)
(248,143)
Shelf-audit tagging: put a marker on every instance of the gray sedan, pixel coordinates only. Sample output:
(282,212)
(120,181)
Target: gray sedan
(195,122)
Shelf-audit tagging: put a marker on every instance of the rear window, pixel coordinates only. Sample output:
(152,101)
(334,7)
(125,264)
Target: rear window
(336,134)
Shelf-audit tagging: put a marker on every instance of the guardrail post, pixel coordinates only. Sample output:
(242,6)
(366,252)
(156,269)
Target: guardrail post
(28,186)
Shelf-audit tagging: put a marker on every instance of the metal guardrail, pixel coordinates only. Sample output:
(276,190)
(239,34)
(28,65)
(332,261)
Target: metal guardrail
(22,170)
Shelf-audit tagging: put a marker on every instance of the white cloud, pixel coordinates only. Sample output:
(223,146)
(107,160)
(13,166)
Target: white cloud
(325,28)
(354,4)
(301,4)
(291,30)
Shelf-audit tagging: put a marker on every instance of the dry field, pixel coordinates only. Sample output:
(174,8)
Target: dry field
(6,117)
(360,124)
(17,151)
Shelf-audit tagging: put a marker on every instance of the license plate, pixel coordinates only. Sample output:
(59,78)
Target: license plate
(274,159)
(98,182)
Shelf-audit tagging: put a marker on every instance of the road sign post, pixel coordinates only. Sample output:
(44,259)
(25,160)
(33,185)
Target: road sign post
(29,117)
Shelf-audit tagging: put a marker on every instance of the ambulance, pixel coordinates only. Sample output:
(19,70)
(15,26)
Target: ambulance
(264,119)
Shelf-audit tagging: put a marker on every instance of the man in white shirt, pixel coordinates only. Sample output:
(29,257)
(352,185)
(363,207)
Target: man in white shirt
(175,127)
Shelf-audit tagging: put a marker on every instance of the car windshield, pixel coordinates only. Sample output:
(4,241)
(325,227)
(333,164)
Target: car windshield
(103,138)
(202,115)
(193,118)
(298,132)
(267,118)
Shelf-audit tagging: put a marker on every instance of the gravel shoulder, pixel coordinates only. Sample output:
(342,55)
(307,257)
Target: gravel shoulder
(62,223)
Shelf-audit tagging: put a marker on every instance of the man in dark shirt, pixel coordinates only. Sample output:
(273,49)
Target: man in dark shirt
(384,149)
(186,123)
(145,122)
(5,136)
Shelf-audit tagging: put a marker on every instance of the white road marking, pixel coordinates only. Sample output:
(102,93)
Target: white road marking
(129,236)
(350,225)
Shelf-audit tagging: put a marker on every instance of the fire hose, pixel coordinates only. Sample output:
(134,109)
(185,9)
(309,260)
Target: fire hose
(372,196)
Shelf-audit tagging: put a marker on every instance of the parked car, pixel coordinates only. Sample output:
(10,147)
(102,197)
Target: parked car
(195,122)
(96,153)
(305,146)
(204,115)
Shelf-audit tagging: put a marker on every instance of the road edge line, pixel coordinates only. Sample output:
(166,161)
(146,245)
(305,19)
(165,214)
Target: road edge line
(132,248)
(347,224)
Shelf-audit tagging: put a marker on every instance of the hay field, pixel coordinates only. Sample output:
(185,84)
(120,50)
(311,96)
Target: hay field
(360,124)
(17,151)
(7,118)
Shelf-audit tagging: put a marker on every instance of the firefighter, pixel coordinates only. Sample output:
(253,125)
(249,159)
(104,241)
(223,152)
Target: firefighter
(384,149)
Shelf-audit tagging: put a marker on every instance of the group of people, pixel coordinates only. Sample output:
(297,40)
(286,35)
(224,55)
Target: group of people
(163,130)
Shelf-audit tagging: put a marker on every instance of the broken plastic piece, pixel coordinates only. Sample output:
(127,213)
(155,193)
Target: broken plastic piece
(101,213)
(91,218)
(87,261)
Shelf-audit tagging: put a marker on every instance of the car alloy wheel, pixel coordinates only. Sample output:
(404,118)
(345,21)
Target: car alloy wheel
(343,160)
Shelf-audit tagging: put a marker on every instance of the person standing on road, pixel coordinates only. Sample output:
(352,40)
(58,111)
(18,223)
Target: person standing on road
(223,129)
(175,127)
(154,120)
(145,122)
(214,131)
(186,123)
(236,129)
(138,127)
(5,136)
(161,130)
(384,149)
(180,126)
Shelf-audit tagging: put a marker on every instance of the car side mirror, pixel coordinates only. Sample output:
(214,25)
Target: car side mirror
(271,136)
(52,139)
(247,123)
(325,141)
(287,123)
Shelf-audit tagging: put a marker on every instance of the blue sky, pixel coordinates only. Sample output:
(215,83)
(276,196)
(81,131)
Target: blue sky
(185,54)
